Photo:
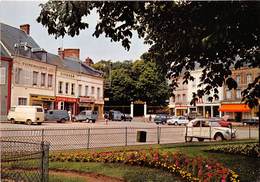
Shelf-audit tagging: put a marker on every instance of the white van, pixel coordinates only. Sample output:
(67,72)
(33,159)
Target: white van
(26,114)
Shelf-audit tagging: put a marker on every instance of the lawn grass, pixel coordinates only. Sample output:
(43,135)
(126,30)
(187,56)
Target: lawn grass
(128,173)
(61,178)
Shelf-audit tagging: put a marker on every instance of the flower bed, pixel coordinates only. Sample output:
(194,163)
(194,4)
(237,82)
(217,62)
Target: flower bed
(190,169)
(252,150)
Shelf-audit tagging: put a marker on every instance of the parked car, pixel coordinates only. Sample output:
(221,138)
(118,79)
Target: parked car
(26,114)
(86,115)
(115,115)
(57,115)
(223,122)
(127,117)
(161,118)
(178,120)
(252,121)
(208,129)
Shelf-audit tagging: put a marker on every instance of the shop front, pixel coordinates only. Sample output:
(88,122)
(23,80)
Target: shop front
(236,111)
(47,102)
(67,103)
(181,110)
(86,103)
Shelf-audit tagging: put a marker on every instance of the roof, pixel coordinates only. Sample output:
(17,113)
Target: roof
(11,37)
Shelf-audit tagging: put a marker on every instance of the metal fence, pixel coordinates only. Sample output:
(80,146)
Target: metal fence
(87,138)
(24,161)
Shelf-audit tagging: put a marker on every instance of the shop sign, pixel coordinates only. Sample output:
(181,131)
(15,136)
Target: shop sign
(42,98)
(65,99)
(138,102)
(86,99)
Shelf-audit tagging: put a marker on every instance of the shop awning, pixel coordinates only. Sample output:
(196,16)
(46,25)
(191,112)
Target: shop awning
(234,108)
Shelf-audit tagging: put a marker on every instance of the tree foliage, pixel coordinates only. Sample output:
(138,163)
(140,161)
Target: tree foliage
(129,81)
(216,36)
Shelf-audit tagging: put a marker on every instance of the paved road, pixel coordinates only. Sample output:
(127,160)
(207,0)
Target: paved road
(93,135)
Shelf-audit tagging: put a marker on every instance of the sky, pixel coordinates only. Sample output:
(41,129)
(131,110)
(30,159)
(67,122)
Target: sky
(16,13)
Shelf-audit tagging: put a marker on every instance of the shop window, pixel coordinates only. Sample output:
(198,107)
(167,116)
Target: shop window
(98,93)
(66,88)
(22,101)
(60,87)
(72,89)
(248,78)
(35,77)
(80,87)
(50,76)
(43,75)
(86,90)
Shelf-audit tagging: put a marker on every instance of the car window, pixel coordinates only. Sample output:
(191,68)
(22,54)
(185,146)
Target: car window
(82,113)
(196,124)
(39,110)
(214,124)
(205,123)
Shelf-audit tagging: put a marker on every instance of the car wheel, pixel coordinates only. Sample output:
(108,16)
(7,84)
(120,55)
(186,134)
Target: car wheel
(13,121)
(189,139)
(93,121)
(63,120)
(73,120)
(39,123)
(219,137)
(87,120)
(176,123)
(200,139)
(29,122)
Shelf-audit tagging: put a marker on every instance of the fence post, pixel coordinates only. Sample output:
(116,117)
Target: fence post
(88,138)
(42,161)
(126,136)
(186,130)
(158,134)
(249,131)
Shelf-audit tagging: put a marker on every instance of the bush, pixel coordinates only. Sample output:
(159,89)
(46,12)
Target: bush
(251,150)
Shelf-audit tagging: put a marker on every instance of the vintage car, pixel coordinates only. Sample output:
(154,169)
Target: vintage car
(208,129)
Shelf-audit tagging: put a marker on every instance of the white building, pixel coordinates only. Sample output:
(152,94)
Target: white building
(203,107)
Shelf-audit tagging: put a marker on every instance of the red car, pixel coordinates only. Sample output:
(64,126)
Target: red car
(224,123)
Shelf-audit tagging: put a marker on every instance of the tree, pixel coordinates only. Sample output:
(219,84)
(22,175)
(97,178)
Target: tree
(131,81)
(217,36)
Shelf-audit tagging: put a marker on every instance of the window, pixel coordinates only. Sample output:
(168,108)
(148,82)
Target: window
(248,78)
(22,101)
(238,79)
(18,74)
(67,88)
(80,87)
(98,93)
(194,83)
(228,94)
(86,90)
(50,80)
(92,90)
(178,98)
(60,87)
(72,88)
(184,98)
(43,75)
(35,77)
(238,94)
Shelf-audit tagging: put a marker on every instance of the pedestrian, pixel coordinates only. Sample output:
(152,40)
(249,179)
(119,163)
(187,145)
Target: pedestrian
(106,118)
(150,118)
(69,112)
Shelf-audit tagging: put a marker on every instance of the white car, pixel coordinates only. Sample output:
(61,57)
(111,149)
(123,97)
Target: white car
(179,120)
(208,129)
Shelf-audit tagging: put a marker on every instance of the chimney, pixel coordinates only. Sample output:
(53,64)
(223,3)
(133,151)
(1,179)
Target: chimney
(25,28)
(71,53)
(61,52)
(88,61)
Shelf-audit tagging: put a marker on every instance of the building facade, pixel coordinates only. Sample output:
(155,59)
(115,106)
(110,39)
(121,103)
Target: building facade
(231,104)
